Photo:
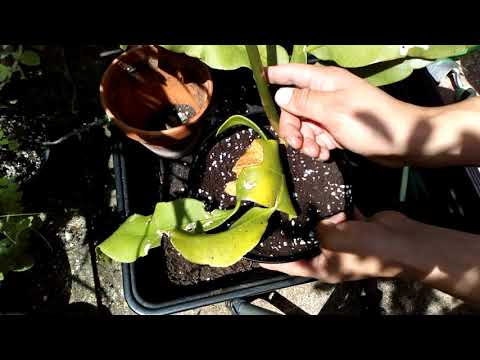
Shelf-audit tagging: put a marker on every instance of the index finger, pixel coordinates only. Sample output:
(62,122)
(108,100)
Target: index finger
(316,77)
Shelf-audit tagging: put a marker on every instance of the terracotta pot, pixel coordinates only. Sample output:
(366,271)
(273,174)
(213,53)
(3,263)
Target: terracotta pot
(157,97)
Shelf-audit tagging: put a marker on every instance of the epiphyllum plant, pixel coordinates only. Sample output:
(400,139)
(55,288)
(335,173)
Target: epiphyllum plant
(260,178)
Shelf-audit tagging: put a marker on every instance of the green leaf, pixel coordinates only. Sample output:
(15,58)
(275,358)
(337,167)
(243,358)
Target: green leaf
(238,120)
(262,183)
(23,263)
(29,58)
(138,234)
(390,72)
(299,54)
(353,56)
(12,255)
(13,145)
(225,248)
(14,229)
(5,72)
(123,47)
(10,197)
(227,57)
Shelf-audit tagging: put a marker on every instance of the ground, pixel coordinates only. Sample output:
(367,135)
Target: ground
(94,285)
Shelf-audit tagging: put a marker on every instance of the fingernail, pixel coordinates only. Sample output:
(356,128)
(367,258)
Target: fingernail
(283,96)
(294,141)
(324,155)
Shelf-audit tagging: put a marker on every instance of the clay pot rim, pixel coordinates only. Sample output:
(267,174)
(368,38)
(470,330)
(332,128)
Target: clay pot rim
(175,131)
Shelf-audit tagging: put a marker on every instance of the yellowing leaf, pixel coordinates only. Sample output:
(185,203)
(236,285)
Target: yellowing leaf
(260,182)
(225,248)
(138,234)
(253,156)
(231,188)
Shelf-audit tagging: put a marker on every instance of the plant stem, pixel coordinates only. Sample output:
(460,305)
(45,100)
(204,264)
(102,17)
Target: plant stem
(271,55)
(13,215)
(404,184)
(43,238)
(9,238)
(262,86)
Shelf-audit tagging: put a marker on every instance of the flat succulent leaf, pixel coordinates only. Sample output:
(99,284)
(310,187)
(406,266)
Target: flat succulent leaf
(186,214)
(238,120)
(124,244)
(138,234)
(226,57)
(29,58)
(260,182)
(391,71)
(225,248)
(353,56)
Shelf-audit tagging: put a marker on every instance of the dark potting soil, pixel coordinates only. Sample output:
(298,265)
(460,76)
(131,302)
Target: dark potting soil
(317,190)
(169,117)
(25,159)
(183,272)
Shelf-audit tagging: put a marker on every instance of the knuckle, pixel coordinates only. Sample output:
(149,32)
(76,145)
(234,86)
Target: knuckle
(302,99)
(334,69)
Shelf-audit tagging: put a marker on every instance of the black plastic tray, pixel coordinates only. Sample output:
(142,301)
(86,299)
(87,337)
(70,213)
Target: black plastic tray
(146,290)
(141,182)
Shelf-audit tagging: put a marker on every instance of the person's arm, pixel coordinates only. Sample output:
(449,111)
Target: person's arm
(324,108)
(450,136)
(391,245)
(328,107)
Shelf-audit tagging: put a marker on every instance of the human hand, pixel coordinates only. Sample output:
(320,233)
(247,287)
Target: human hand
(329,107)
(390,244)
(354,250)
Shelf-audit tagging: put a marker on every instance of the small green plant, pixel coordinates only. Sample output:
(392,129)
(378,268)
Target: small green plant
(12,57)
(10,144)
(15,229)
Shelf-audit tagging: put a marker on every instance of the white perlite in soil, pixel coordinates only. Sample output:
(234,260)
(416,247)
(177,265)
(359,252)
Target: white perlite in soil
(24,162)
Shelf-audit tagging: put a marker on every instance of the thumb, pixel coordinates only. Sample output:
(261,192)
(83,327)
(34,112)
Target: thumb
(338,234)
(303,102)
